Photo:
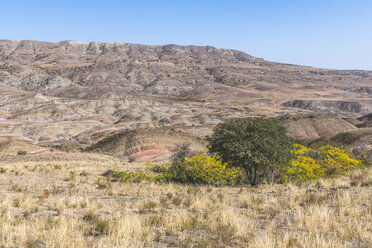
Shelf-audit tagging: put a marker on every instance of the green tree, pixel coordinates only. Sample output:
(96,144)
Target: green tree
(258,145)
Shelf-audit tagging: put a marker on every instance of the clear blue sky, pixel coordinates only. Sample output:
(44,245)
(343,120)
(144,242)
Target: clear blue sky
(328,33)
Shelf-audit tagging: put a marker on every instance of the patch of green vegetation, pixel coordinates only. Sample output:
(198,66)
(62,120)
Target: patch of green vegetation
(21,153)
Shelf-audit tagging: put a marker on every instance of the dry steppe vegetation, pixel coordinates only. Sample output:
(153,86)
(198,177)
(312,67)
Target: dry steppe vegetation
(61,204)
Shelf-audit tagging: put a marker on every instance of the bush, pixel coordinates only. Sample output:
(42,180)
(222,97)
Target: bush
(330,157)
(21,153)
(303,167)
(139,176)
(326,161)
(121,176)
(200,169)
(127,176)
(260,146)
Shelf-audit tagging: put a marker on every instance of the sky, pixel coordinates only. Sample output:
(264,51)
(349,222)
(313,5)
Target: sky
(333,34)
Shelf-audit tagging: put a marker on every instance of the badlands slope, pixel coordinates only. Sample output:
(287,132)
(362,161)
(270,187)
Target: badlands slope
(70,95)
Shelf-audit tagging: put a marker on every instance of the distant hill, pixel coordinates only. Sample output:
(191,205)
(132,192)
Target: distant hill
(53,93)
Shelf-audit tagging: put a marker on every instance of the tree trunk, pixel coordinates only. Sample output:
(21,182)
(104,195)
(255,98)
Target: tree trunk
(252,174)
(255,175)
(248,171)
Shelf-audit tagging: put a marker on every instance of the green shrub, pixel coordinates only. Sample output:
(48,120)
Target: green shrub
(139,176)
(159,168)
(21,153)
(128,176)
(200,169)
(121,176)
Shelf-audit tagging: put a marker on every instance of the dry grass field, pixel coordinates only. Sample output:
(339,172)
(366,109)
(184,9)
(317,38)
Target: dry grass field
(44,204)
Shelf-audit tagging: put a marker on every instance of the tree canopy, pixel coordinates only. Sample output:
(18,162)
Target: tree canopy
(258,145)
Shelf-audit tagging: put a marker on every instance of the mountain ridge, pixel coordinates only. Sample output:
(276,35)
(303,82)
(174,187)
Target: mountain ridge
(93,43)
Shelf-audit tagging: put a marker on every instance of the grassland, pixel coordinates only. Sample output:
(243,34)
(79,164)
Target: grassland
(61,204)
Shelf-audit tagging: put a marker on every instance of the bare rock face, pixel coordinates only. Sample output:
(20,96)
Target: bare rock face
(83,92)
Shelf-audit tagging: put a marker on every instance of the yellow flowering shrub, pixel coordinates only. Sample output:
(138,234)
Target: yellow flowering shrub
(201,169)
(327,161)
(336,160)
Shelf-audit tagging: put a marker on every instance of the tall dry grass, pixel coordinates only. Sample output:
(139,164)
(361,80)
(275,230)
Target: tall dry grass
(42,205)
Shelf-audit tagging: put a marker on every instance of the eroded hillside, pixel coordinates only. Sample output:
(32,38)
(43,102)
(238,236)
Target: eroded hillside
(69,93)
